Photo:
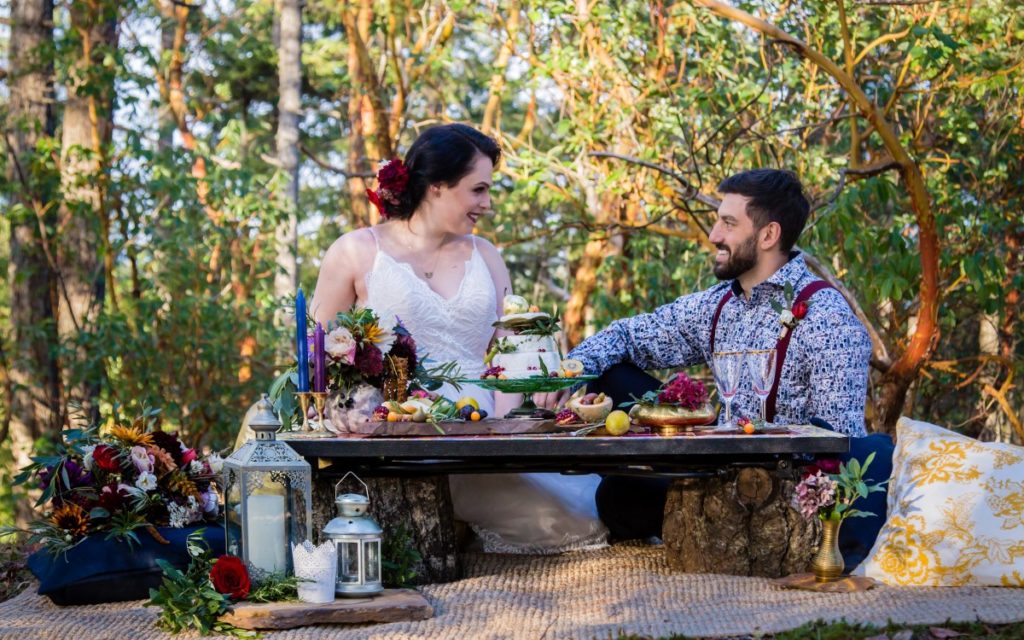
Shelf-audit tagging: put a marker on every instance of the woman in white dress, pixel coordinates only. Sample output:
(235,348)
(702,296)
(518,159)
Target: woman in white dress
(424,265)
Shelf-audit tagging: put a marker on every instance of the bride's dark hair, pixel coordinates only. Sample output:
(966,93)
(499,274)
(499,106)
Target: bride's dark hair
(442,154)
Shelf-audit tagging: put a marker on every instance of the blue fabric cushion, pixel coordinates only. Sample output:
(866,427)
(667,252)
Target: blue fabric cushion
(98,570)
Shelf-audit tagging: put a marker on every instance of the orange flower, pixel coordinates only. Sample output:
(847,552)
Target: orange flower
(72,519)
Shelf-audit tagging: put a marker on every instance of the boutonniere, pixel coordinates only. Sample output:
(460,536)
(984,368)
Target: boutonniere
(792,313)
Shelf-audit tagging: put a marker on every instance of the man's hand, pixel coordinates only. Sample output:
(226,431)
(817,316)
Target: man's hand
(551,400)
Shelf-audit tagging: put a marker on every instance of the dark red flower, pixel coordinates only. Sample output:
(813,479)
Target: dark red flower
(113,497)
(828,465)
(393,176)
(106,458)
(369,359)
(377,202)
(169,442)
(405,347)
(800,310)
(683,391)
(230,577)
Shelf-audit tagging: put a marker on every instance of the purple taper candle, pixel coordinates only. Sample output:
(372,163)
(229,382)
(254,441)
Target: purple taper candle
(301,344)
(319,359)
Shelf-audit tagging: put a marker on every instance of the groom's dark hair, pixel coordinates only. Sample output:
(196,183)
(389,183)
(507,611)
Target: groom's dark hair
(441,155)
(776,195)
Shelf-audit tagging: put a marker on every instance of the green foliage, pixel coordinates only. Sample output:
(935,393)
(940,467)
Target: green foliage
(399,558)
(187,600)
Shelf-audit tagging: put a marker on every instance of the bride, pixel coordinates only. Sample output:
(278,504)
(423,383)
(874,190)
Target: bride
(424,265)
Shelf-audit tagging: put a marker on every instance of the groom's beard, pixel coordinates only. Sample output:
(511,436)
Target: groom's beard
(743,259)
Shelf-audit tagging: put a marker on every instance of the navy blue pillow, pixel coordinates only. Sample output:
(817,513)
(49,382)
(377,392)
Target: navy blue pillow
(98,570)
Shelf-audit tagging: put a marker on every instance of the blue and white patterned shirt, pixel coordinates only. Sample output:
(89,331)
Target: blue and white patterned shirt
(825,373)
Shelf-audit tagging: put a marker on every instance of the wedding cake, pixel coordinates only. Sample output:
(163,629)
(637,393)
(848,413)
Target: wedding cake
(531,349)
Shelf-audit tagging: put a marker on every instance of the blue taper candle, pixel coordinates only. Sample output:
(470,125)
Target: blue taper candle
(301,344)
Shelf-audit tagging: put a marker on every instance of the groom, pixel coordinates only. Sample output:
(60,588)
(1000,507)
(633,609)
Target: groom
(824,358)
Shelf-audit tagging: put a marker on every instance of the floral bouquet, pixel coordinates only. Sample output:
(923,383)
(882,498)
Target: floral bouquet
(361,351)
(829,489)
(117,483)
(680,402)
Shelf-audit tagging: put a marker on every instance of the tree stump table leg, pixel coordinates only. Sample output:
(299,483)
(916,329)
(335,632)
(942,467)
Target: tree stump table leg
(740,524)
(420,505)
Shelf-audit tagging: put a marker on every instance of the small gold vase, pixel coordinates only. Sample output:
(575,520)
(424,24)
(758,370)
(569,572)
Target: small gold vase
(396,379)
(668,420)
(827,565)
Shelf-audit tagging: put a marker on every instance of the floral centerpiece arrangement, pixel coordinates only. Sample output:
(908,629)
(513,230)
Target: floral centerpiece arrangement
(680,403)
(360,353)
(132,478)
(828,491)
(197,597)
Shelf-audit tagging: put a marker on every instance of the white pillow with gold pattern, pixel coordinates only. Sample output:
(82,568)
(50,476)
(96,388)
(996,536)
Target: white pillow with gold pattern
(956,512)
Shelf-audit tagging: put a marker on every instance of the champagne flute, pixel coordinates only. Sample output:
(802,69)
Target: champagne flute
(761,366)
(727,367)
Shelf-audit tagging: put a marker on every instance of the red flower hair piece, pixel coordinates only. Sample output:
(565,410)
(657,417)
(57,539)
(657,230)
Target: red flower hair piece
(392,180)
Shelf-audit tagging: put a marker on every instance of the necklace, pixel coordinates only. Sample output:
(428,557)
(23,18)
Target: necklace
(437,257)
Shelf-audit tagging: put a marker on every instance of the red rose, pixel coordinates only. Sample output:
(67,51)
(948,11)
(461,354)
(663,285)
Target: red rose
(230,577)
(188,455)
(800,310)
(106,458)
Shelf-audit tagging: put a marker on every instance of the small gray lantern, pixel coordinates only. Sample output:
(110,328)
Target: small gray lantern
(357,539)
(268,503)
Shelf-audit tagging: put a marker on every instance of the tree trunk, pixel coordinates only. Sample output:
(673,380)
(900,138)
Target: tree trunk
(83,212)
(740,525)
(34,377)
(289,73)
(422,505)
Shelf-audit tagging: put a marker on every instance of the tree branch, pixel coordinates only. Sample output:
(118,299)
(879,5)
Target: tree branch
(330,167)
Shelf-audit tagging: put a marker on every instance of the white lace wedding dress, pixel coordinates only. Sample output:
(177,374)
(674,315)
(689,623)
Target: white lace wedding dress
(512,513)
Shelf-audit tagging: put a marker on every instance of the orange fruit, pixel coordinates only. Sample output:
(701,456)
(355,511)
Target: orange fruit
(475,416)
(748,428)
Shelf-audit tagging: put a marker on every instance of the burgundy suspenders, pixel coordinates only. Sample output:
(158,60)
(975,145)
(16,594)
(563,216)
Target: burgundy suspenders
(780,348)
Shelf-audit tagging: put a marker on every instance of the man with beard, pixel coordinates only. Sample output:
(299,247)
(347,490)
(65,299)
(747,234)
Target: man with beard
(824,372)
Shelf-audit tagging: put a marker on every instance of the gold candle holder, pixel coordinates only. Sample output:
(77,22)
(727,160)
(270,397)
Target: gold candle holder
(304,398)
(319,403)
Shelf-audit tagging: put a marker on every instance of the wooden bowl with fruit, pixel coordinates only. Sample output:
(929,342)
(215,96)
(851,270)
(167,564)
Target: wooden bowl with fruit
(591,407)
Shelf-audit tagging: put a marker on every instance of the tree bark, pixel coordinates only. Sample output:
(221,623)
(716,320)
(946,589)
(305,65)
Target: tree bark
(33,375)
(423,505)
(83,213)
(289,73)
(742,525)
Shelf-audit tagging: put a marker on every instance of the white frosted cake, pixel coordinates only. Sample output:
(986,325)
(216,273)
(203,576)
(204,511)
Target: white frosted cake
(531,349)
(528,354)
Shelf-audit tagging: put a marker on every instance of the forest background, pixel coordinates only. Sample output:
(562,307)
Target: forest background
(173,169)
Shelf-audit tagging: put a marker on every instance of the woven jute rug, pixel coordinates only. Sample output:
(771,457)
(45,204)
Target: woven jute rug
(624,589)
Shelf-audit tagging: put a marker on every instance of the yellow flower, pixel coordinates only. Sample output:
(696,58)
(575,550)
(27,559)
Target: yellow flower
(72,519)
(130,436)
(905,556)
(382,338)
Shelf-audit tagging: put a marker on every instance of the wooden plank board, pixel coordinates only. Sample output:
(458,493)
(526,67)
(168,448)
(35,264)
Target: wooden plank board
(393,605)
(490,427)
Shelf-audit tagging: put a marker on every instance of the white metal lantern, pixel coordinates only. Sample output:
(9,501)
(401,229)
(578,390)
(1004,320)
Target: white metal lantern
(357,539)
(268,503)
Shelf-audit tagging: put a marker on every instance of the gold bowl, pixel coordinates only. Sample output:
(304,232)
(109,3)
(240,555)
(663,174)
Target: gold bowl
(669,420)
